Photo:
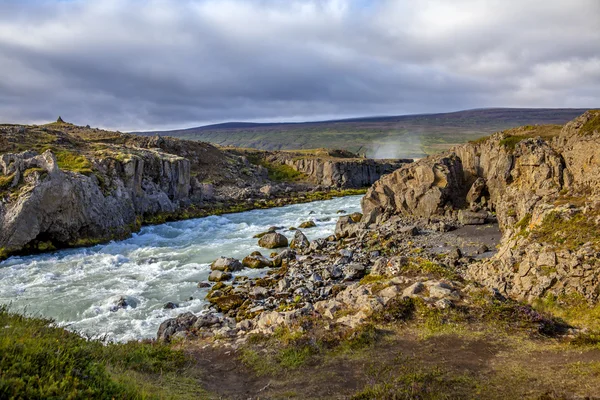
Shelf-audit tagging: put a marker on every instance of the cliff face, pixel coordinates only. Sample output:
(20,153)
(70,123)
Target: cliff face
(542,184)
(352,173)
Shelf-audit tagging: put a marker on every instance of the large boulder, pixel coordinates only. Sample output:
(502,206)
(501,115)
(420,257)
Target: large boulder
(273,240)
(422,189)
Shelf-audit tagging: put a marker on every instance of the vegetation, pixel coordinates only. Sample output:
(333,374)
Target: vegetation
(71,161)
(39,360)
(567,232)
(387,137)
(591,126)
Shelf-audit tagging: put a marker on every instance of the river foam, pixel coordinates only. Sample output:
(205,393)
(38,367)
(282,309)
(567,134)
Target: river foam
(162,263)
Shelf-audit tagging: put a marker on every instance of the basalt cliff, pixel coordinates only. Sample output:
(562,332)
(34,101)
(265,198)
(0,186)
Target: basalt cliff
(63,185)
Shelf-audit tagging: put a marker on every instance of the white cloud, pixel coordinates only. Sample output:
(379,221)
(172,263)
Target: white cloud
(135,65)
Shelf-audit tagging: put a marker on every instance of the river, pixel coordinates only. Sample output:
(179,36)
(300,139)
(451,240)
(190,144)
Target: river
(78,288)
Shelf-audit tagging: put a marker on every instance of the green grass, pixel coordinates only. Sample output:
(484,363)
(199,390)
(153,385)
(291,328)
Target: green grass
(511,142)
(593,125)
(567,233)
(39,360)
(573,308)
(70,161)
(6,181)
(410,136)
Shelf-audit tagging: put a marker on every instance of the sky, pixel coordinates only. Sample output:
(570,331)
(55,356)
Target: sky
(164,64)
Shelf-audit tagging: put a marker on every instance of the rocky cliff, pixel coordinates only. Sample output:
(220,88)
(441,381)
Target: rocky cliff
(64,185)
(344,173)
(541,183)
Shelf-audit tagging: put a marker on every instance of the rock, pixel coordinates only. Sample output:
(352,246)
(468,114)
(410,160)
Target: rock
(471,218)
(413,290)
(168,328)
(422,188)
(476,190)
(273,240)
(219,276)
(345,227)
(353,271)
(318,244)
(170,306)
(389,293)
(226,264)
(202,285)
(355,217)
(284,256)
(256,261)
(124,302)
(299,241)
(409,231)
(307,224)
(481,249)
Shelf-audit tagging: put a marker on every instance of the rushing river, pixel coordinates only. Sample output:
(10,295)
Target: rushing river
(162,263)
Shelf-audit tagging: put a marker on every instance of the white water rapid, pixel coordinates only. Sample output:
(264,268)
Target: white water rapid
(160,264)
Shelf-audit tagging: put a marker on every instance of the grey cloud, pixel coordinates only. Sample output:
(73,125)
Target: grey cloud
(126,64)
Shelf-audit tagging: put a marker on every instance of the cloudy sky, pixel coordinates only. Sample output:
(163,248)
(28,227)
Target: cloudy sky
(159,64)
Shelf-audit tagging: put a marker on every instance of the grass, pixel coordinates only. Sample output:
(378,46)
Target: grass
(39,360)
(423,266)
(409,380)
(6,181)
(71,161)
(387,137)
(573,308)
(593,125)
(567,232)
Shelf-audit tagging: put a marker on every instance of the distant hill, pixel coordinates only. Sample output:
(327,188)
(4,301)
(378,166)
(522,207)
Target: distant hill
(380,137)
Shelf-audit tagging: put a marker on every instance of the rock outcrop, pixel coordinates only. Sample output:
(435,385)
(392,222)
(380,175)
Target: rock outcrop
(542,184)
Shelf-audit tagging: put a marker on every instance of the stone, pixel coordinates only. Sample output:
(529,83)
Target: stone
(466,217)
(170,327)
(476,190)
(353,271)
(226,264)
(307,224)
(202,285)
(219,276)
(346,228)
(170,306)
(299,241)
(256,261)
(413,290)
(273,240)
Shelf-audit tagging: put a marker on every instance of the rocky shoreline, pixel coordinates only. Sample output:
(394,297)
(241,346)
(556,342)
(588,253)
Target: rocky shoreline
(441,232)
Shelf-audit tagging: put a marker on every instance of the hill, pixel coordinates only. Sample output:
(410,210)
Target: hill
(379,137)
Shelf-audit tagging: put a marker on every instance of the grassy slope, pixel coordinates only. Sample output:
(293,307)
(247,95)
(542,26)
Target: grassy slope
(403,136)
(39,361)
